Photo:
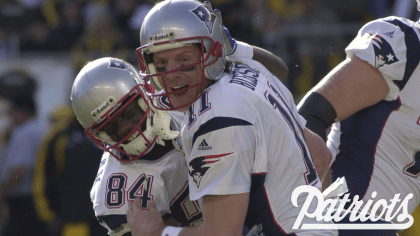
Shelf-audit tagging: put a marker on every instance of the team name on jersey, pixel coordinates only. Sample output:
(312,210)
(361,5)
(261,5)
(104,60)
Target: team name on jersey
(245,76)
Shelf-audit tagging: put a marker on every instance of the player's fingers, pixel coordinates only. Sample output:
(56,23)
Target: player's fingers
(130,211)
(218,13)
(152,206)
(208,4)
(130,207)
(137,203)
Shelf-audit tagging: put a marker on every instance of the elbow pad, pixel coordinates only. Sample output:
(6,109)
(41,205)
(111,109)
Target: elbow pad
(318,113)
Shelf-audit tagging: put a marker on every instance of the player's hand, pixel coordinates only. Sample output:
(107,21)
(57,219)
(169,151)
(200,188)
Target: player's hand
(144,222)
(228,41)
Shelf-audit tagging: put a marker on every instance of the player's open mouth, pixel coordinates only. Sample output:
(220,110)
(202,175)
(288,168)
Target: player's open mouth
(182,90)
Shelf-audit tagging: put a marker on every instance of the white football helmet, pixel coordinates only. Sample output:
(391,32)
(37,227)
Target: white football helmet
(177,23)
(101,91)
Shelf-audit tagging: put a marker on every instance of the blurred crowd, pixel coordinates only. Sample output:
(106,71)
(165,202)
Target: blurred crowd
(309,35)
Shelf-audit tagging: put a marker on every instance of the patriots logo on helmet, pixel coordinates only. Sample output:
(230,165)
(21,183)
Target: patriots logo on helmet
(117,64)
(113,63)
(205,16)
(384,54)
(200,165)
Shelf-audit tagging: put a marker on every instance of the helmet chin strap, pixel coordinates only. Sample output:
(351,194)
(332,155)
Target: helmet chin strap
(139,144)
(162,124)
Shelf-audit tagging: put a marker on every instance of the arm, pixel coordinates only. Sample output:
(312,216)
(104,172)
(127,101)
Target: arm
(350,87)
(222,215)
(327,180)
(321,155)
(272,62)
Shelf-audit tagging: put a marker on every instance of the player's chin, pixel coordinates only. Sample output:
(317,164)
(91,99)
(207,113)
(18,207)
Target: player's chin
(181,101)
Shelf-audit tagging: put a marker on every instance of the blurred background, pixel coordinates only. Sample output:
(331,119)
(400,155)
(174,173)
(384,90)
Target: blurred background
(51,40)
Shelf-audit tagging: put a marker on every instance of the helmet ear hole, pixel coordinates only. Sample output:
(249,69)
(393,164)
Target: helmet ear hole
(154,80)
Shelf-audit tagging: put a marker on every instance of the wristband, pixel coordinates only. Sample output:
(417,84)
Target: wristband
(318,113)
(171,231)
(243,50)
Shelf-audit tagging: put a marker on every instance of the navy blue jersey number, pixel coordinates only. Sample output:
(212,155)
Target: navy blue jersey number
(115,195)
(413,169)
(310,176)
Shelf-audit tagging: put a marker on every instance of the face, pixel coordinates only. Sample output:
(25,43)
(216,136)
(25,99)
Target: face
(125,122)
(181,80)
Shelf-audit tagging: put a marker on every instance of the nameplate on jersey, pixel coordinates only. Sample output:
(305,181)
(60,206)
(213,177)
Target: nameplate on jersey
(245,75)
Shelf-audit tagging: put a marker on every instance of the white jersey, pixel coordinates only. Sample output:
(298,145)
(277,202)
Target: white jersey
(378,148)
(244,135)
(166,184)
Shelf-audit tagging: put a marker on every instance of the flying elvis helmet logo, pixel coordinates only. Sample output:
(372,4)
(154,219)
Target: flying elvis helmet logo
(113,63)
(384,54)
(204,15)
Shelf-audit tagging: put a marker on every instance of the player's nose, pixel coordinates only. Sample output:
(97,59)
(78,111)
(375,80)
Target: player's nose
(173,75)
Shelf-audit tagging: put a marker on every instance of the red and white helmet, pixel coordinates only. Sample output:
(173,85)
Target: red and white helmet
(101,91)
(174,24)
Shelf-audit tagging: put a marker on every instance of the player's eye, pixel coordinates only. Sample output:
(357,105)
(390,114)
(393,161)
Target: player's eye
(160,63)
(160,69)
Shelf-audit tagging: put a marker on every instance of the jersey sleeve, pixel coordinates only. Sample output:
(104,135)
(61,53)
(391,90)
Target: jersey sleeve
(242,50)
(223,153)
(385,44)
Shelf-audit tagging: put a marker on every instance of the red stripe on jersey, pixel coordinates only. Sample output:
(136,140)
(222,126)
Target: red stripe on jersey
(209,157)
(179,193)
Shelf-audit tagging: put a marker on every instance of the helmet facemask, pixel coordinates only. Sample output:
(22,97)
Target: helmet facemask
(145,137)
(156,77)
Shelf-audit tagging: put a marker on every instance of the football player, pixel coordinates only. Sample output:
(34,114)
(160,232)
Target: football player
(108,98)
(373,94)
(243,138)
(99,90)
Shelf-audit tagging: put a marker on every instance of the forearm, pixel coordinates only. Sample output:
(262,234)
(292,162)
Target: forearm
(272,62)
(327,180)
(321,155)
